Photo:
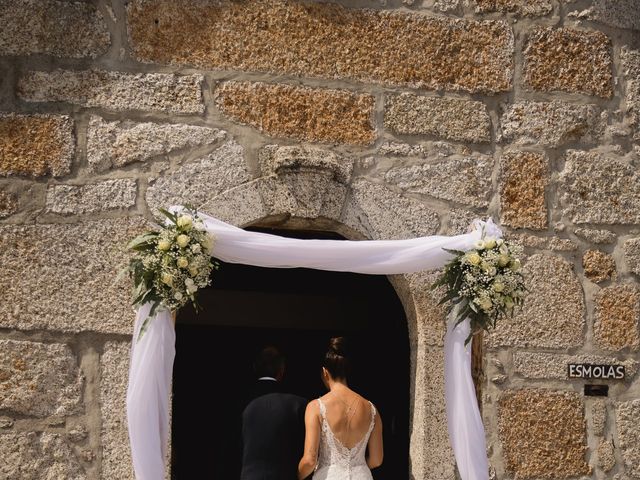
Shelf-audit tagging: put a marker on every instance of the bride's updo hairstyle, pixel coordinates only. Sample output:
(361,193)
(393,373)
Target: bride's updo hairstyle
(336,360)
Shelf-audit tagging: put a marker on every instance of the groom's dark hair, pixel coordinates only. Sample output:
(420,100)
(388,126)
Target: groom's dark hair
(269,362)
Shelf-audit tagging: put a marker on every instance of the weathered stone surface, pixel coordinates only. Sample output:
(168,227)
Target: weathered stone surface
(425,150)
(450,118)
(627,421)
(62,29)
(598,266)
(460,220)
(386,215)
(238,206)
(446,5)
(553,312)
(114,372)
(551,124)
(568,60)
(554,243)
(523,178)
(595,235)
(198,181)
(554,365)
(598,188)
(119,143)
(323,39)
(311,114)
(117,194)
(631,249)
(51,273)
(8,203)
(616,13)
(533,8)
(31,455)
(631,71)
(36,145)
(39,379)
(542,433)
(606,455)
(274,159)
(156,92)
(463,180)
(617,317)
(599,416)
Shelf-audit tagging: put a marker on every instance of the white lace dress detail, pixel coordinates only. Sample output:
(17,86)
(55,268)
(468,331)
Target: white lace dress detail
(336,461)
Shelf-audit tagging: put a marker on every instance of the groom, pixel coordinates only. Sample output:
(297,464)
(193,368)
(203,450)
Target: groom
(272,424)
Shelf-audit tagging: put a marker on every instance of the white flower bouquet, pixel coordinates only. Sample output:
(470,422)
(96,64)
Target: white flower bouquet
(485,281)
(171,264)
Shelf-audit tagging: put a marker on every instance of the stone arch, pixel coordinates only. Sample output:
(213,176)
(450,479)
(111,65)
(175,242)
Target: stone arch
(300,187)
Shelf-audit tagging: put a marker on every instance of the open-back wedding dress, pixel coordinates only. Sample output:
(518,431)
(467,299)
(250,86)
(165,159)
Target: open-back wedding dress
(338,462)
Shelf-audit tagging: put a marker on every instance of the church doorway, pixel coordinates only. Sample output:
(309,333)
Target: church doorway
(297,310)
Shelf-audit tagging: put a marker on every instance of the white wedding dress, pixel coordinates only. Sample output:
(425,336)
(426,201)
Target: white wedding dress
(336,461)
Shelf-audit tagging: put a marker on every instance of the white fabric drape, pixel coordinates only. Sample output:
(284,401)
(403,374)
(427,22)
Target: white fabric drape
(152,357)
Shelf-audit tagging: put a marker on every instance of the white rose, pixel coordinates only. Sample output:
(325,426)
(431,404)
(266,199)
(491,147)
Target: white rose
(185,221)
(479,244)
(498,286)
(504,250)
(177,296)
(183,240)
(503,260)
(473,258)
(195,248)
(191,286)
(199,225)
(164,245)
(167,279)
(499,241)
(492,271)
(193,270)
(182,262)
(515,265)
(490,242)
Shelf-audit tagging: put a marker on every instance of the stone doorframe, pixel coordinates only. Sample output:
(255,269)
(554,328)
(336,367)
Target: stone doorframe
(307,192)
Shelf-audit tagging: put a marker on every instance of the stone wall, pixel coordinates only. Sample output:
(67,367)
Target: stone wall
(379,119)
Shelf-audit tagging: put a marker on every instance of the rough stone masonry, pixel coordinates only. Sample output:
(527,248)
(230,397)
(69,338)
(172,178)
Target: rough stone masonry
(381,119)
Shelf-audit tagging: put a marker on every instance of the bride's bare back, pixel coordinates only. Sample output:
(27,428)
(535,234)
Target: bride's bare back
(348,415)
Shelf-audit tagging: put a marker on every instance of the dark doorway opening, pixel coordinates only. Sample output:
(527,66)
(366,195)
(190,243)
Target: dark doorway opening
(298,310)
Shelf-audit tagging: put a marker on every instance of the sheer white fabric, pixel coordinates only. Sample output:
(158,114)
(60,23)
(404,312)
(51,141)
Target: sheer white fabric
(335,460)
(152,358)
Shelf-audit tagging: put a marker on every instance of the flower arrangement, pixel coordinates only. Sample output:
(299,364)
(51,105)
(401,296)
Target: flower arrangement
(171,264)
(485,281)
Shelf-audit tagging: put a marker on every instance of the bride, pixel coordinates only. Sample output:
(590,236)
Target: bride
(340,426)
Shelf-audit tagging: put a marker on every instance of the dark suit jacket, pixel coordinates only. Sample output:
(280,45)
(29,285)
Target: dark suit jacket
(272,433)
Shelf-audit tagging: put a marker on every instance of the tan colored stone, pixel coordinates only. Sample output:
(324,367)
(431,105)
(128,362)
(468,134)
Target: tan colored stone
(450,118)
(617,317)
(60,277)
(540,365)
(631,249)
(553,312)
(598,417)
(542,433)
(115,194)
(119,143)
(627,421)
(36,145)
(550,124)
(61,29)
(554,243)
(157,92)
(238,206)
(598,266)
(606,455)
(631,72)
(33,455)
(114,372)
(198,181)
(311,114)
(462,180)
(595,235)
(524,176)
(568,60)
(325,39)
(39,379)
(599,188)
(533,8)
